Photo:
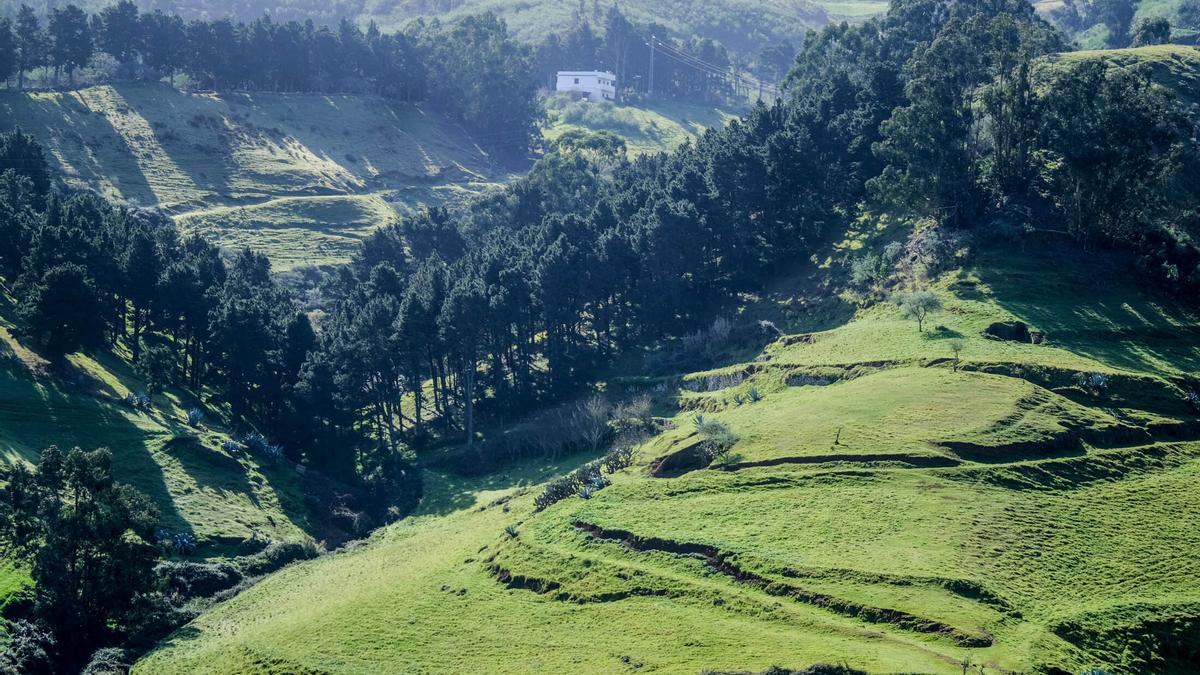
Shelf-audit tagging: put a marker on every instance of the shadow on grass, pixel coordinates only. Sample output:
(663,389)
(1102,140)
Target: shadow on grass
(447,492)
(36,414)
(1087,305)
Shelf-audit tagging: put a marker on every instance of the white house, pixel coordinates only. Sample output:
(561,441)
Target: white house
(590,85)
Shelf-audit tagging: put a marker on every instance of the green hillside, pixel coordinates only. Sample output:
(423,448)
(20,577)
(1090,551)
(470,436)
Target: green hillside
(1174,66)
(280,171)
(741,25)
(199,487)
(649,127)
(883,508)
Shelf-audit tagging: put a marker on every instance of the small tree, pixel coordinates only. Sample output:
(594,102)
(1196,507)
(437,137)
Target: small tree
(918,305)
(1155,31)
(63,313)
(593,421)
(957,345)
(155,367)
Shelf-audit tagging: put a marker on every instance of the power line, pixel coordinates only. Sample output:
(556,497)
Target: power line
(701,65)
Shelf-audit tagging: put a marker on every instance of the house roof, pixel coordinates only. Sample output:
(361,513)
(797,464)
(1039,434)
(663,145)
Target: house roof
(572,73)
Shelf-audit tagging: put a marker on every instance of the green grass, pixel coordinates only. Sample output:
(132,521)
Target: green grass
(649,127)
(197,486)
(281,172)
(1026,552)
(1176,67)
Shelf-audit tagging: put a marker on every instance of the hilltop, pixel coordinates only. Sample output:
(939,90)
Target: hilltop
(886,507)
(1176,67)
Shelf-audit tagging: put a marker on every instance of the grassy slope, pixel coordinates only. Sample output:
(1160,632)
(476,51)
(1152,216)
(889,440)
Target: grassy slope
(302,178)
(650,127)
(198,487)
(1175,66)
(1021,547)
(742,25)
(311,174)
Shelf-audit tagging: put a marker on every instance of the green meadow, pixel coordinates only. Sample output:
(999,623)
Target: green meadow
(887,506)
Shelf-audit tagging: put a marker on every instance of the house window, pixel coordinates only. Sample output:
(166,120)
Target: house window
(577,80)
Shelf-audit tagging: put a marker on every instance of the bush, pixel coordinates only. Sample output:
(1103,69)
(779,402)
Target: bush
(138,401)
(30,649)
(151,618)
(277,555)
(1094,383)
(178,543)
(187,580)
(195,417)
(556,491)
(633,418)
(754,395)
(718,438)
(109,661)
(618,458)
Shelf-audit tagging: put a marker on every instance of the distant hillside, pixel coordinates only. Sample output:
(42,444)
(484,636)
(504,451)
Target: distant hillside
(647,127)
(304,176)
(742,25)
(1176,67)
(301,177)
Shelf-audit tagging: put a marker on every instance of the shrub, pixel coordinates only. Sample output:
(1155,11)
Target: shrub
(255,441)
(1094,383)
(109,661)
(718,438)
(278,554)
(754,395)
(138,401)
(511,531)
(632,418)
(618,458)
(195,417)
(232,447)
(867,271)
(178,543)
(30,649)
(186,580)
(556,491)
(593,417)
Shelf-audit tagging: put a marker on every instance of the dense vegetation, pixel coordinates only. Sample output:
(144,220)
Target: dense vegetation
(1124,23)
(956,119)
(472,69)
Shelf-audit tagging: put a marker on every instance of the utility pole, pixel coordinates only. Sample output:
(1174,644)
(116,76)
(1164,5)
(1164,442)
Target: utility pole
(652,41)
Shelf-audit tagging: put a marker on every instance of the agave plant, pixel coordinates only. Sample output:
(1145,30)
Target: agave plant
(195,417)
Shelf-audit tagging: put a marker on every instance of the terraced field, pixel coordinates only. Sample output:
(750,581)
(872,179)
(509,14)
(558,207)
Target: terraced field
(887,506)
(282,172)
